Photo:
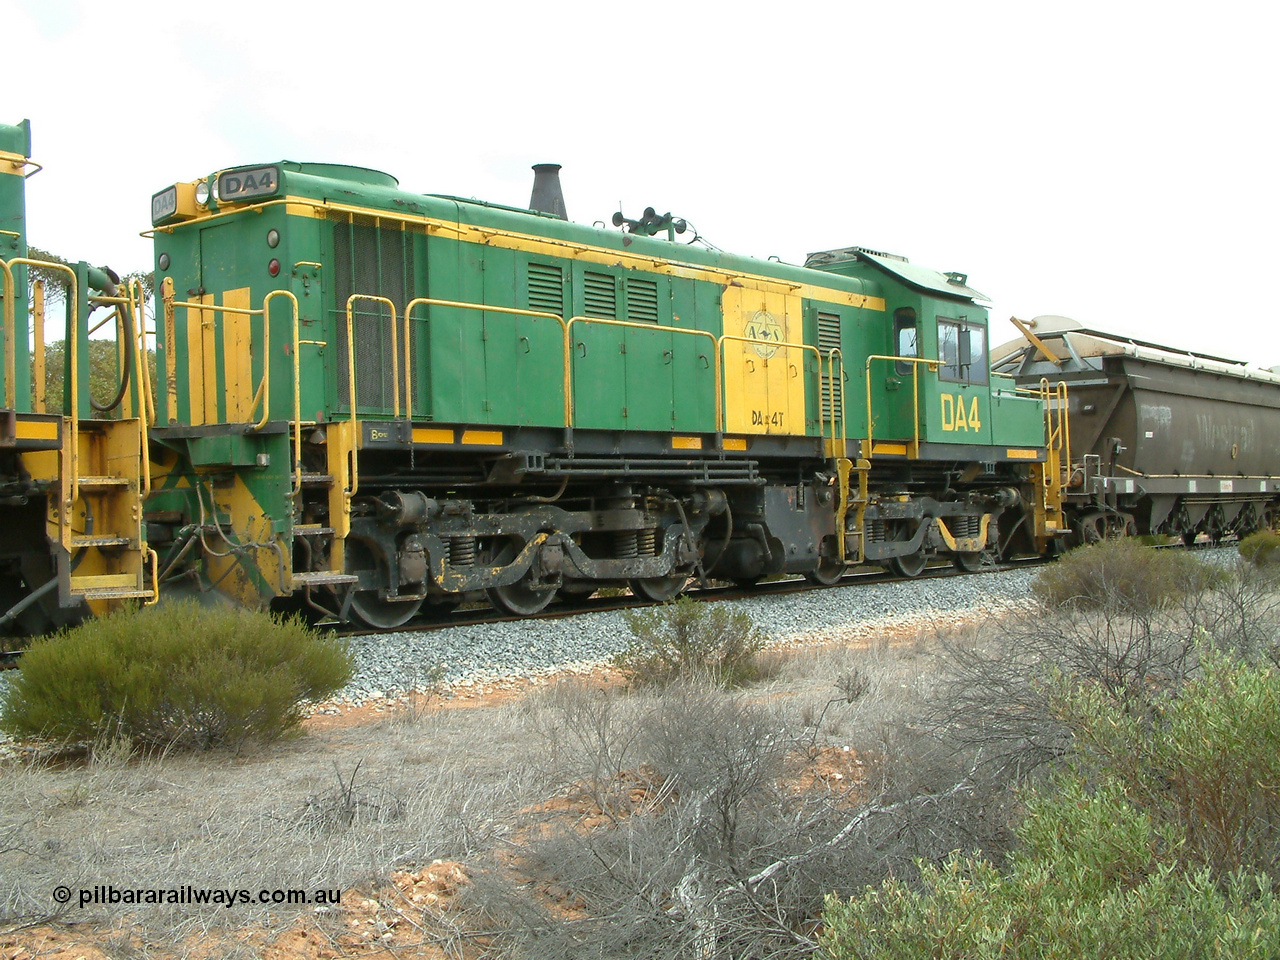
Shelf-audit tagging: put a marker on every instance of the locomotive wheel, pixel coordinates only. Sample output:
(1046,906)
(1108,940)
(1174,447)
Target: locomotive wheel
(659,589)
(369,608)
(373,611)
(970,561)
(522,598)
(827,572)
(911,565)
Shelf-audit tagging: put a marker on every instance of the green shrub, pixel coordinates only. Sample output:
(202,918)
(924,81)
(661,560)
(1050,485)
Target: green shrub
(1163,842)
(1091,879)
(689,640)
(1261,548)
(1205,761)
(1122,575)
(176,675)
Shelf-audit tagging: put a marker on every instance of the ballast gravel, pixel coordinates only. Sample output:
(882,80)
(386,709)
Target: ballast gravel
(392,664)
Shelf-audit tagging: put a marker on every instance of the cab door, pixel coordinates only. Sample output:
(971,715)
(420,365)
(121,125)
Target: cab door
(961,404)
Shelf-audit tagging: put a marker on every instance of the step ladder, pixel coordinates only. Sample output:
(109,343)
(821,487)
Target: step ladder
(850,531)
(340,481)
(105,556)
(1051,478)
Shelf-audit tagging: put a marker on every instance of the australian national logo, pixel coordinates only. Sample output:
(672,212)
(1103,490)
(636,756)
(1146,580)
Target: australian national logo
(764,326)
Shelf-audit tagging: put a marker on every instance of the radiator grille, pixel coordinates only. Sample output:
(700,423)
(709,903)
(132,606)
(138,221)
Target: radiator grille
(546,288)
(601,295)
(832,388)
(371,260)
(642,301)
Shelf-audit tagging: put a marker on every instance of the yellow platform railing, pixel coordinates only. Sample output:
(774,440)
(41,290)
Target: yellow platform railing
(916,363)
(261,396)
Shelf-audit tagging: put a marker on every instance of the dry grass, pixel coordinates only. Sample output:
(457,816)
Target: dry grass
(343,808)
(526,796)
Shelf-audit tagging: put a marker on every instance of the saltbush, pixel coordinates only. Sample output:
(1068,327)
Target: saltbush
(178,675)
(1162,841)
(688,640)
(1122,575)
(1091,880)
(1261,548)
(1204,760)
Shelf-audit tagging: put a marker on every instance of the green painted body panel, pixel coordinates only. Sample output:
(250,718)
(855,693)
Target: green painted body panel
(230,450)
(1016,420)
(15,139)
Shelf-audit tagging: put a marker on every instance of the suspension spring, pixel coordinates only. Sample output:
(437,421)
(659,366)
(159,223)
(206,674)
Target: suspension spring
(462,551)
(876,531)
(647,542)
(626,545)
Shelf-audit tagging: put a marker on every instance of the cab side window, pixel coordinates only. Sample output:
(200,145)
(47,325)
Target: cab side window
(906,339)
(962,350)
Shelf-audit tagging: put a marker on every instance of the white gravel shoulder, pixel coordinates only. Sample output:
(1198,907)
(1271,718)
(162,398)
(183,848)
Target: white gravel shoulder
(389,665)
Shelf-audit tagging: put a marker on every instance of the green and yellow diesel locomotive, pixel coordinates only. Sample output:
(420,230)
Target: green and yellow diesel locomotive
(73,479)
(370,400)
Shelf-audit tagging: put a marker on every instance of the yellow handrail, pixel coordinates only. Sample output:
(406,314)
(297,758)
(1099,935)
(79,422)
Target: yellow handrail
(264,388)
(142,377)
(170,348)
(915,395)
(840,450)
(568,356)
(155,579)
(9,294)
(395,352)
(73,349)
(37,347)
(129,301)
(137,297)
(352,460)
(1061,432)
(489,308)
(263,394)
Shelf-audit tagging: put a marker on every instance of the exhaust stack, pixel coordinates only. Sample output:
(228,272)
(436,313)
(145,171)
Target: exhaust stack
(547,196)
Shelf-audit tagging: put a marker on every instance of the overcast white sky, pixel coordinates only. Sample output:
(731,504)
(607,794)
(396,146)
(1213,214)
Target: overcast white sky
(1112,162)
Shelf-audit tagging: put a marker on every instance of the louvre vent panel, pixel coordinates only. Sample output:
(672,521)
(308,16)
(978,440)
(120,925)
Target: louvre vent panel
(832,392)
(642,301)
(373,261)
(546,288)
(828,332)
(601,294)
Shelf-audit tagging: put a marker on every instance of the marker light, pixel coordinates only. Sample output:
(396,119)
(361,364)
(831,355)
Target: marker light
(273,267)
(164,261)
(273,238)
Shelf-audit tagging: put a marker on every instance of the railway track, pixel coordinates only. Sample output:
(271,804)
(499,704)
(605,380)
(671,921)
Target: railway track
(563,610)
(788,586)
